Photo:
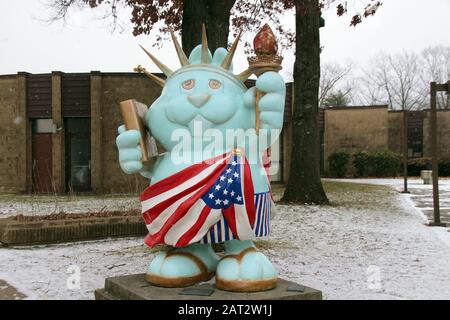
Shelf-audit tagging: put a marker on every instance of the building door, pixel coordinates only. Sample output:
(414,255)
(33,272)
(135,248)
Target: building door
(42,156)
(78,154)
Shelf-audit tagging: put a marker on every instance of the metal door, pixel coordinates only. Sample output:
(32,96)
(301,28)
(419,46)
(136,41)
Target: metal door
(42,162)
(78,154)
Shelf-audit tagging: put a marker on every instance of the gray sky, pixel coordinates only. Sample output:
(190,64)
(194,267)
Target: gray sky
(86,43)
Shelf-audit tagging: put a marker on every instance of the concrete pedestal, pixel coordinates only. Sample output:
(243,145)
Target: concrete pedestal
(135,287)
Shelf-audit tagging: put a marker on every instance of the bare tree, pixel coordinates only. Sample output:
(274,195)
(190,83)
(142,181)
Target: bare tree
(367,92)
(398,79)
(332,78)
(395,79)
(146,16)
(436,62)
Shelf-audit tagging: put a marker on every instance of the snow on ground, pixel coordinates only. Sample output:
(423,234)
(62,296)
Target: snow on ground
(42,272)
(370,244)
(397,183)
(420,196)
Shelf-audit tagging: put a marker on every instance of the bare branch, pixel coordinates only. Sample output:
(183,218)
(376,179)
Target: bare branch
(395,78)
(331,76)
(436,65)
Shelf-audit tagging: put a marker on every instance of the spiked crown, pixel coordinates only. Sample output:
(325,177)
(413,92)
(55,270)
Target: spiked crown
(205,62)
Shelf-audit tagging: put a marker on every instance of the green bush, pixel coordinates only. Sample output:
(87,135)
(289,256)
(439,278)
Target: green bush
(416,165)
(338,163)
(389,164)
(444,167)
(385,163)
(361,163)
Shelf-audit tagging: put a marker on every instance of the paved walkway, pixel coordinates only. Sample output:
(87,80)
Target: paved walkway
(421,195)
(8,292)
(423,199)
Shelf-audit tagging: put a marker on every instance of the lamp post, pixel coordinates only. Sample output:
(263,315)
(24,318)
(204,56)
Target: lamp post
(434,88)
(405,151)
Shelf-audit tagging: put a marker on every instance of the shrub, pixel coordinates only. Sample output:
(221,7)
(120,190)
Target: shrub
(338,163)
(385,163)
(444,167)
(418,164)
(361,163)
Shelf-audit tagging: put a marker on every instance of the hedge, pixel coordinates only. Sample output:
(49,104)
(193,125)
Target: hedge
(385,164)
(418,164)
(361,163)
(382,164)
(338,163)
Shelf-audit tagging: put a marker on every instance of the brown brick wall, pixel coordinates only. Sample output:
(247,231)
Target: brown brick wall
(395,131)
(443,134)
(108,91)
(354,129)
(116,88)
(12,131)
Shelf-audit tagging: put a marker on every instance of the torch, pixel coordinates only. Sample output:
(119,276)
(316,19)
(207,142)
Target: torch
(264,60)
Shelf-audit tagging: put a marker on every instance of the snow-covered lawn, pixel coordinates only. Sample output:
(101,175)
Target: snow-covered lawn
(421,195)
(28,205)
(370,244)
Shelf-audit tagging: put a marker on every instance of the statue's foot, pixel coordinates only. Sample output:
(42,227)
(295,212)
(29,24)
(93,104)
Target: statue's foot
(182,267)
(245,269)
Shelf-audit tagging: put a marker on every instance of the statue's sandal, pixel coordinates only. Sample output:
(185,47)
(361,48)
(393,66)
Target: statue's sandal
(237,280)
(178,281)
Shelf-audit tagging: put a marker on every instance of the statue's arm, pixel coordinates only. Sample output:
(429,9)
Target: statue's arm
(271,105)
(130,153)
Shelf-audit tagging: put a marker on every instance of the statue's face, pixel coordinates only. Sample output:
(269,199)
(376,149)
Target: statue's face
(203,96)
(199,99)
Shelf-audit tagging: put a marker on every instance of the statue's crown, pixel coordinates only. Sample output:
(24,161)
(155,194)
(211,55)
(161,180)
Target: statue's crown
(200,59)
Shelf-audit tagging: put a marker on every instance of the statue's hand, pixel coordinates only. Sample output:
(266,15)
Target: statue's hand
(130,152)
(271,105)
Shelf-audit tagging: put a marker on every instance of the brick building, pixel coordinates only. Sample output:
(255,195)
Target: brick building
(376,128)
(58,131)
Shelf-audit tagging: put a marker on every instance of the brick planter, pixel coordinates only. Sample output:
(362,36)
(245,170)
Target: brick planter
(14,232)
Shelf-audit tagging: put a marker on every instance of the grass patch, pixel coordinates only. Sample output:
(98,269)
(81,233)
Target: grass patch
(357,195)
(348,194)
(339,193)
(45,198)
(338,187)
(275,244)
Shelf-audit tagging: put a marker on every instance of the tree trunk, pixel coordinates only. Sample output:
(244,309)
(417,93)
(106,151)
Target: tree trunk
(215,14)
(304,185)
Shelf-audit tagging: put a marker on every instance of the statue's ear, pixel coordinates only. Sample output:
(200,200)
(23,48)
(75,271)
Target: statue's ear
(196,55)
(218,57)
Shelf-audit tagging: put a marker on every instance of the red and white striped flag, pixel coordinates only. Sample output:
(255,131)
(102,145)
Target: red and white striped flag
(180,209)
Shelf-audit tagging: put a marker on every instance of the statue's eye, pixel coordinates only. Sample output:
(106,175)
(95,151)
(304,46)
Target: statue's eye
(214,84)
(188,84)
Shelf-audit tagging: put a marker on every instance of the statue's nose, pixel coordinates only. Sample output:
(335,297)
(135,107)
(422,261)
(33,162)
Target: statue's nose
(199,100)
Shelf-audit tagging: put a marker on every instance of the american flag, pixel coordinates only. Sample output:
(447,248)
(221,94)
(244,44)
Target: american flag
(180,209)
